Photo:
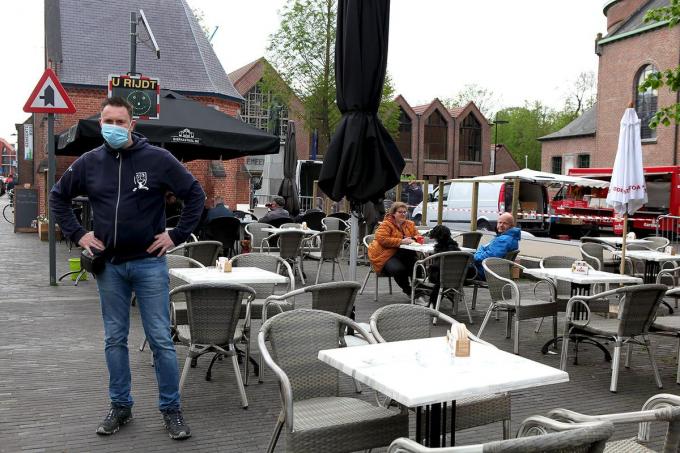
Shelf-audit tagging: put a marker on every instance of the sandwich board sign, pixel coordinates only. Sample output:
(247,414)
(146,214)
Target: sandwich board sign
(142,92)
(49,96)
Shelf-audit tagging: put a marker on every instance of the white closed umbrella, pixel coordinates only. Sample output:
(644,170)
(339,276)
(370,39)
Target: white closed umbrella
(627,189)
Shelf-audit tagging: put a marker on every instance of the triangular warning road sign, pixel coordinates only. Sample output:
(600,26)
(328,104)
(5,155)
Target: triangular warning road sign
(49,96)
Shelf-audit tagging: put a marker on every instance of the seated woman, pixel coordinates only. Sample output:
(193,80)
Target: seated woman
(444,243)
(384,252)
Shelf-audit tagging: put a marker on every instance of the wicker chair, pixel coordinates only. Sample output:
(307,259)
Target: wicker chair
(401,322)
(591,251)
(657,242)
(315,417)
(205,252)
(470,239)
(663,408)
(313,219)
(453,268)
(290,248)
(254,231)
(226,230)
(269,263)
(476,283)
(291,225)
(667,325)
(213,310)
(331,244)
(574,438)
(367,241)
(637,310)
(276,223)
(334,223)
(506,296)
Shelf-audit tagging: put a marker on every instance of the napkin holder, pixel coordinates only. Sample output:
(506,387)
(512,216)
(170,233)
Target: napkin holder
(579,267)
(458,341)
(223,265)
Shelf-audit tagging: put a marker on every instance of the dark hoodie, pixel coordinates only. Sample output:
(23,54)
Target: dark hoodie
(126,189)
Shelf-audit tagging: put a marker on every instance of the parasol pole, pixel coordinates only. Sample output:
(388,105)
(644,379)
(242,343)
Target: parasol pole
(354,234)
(622,266)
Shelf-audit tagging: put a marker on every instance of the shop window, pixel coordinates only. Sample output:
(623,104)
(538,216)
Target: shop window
(470,140)
(435,137)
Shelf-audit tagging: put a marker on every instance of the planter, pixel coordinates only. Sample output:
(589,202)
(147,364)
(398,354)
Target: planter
(43,228)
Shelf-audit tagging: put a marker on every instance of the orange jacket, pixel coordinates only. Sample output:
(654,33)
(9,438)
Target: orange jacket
(388,237)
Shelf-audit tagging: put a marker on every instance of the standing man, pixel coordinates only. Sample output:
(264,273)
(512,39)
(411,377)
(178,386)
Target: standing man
(126,180)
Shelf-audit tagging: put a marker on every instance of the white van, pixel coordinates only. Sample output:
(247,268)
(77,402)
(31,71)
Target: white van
(494,198)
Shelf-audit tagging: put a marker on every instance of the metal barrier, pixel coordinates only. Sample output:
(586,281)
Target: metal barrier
(668,226)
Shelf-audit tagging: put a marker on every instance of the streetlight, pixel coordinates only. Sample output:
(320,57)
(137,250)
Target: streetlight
(496,123)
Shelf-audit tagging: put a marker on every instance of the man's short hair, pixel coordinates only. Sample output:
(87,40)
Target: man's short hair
(279,201)
(117,101)
(218,200)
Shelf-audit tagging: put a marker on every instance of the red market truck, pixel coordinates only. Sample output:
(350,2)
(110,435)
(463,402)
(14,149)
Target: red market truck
(578,211)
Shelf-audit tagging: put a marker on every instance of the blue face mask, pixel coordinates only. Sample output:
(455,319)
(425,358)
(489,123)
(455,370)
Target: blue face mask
(115,136)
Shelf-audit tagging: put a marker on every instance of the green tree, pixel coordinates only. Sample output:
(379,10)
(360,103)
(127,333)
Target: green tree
(582,94)
(485,99)
(302,56)
(669,78)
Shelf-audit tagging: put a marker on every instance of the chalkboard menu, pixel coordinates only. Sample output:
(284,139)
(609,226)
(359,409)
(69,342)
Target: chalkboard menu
(25,209)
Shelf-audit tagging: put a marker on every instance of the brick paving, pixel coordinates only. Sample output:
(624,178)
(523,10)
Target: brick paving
(53,378)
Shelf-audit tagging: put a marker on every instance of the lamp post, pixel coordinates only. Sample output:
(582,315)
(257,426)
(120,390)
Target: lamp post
(496,123)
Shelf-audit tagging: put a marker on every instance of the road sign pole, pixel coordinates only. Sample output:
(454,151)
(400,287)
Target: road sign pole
(51,169)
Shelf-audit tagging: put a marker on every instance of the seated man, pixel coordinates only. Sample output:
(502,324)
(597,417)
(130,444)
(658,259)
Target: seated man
(219,210)
(506,241)
(276,210)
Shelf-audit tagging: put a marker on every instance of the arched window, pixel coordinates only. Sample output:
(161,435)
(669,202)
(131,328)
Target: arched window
(435,137)
(646,102)
(470,140)
(404,139)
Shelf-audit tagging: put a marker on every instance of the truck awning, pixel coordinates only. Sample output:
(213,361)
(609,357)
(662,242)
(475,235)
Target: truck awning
(542,177)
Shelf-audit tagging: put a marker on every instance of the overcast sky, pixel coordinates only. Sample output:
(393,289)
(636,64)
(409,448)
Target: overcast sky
(520,49)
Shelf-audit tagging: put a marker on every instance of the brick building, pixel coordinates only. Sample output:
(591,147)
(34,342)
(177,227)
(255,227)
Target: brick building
(440,143)
(630,50)
(8,158)
(87,40)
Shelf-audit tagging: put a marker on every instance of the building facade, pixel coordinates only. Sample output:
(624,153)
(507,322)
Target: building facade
(630,51)
(8,159)
(440,143)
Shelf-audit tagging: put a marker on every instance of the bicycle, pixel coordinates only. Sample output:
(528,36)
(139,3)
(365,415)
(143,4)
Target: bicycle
(8,210)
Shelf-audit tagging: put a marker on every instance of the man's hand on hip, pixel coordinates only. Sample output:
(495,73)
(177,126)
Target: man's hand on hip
(89,241)
(162,244)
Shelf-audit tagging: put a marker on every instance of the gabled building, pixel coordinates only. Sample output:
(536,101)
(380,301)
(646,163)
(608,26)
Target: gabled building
(630,51)
(440,143)
(8,159)
(86,40)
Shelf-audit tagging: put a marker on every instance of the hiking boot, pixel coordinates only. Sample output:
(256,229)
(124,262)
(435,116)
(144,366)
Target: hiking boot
(174,423)
(117,417)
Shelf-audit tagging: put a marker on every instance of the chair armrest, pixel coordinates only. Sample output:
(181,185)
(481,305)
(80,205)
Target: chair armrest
(284,383)
(551,287)
(537,425)
(569,311)
(275,299)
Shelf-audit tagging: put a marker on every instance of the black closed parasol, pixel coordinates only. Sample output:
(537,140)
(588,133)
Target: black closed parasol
(288,189)
(362,160)
(188,129)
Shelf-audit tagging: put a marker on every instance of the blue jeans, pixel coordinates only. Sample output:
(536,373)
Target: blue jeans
(148,278)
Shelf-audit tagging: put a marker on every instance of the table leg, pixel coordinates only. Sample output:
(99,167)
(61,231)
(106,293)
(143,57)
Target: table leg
(434,435)
(419,421)
(651,271)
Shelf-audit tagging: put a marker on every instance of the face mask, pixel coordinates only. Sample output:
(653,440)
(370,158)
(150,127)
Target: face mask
(115,136)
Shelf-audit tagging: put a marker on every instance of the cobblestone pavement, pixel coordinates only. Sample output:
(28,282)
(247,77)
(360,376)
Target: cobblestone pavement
(53,377)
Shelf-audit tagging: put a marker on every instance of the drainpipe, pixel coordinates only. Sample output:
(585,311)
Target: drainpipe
(675,135)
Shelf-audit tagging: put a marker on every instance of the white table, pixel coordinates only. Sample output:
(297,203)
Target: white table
(652,259)
(428,249)
(243,275)
(274,230)
(421,372)
(618,241)
(593,277)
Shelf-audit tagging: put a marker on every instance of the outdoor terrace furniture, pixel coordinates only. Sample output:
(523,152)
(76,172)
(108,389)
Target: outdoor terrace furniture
(331,244)
(469,239)
(276,223)
(576,437)
(664,408)
(657,242)
(334,223)
(213,311)
(669,326)
(637,309)
(254,231)
(289,248)
(340,215)
(313,219)
(453,267)
(506,296)
(367,241)
(565,289)
(315,417)
(670,276)
(226,230)
(401,322)
(205,252)
(269,263)
(291,225)
(593,254)
(243,215)
(476,283)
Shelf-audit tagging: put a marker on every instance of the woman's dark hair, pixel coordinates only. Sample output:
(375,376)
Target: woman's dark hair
(442,235)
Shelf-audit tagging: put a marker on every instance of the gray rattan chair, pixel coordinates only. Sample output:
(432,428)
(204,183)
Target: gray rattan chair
(663,408)
(367,241)
(269,263)
(476,283)
(178,306)
(289,248)
(213,310)
(667,325)
(506,296)
(254,231)
(401,322)
(637,310)
(574,438)
(334,223)
(453,267)
(291,225)
(331,244)
(591,251)
(470,239)
(657,242)
(205,252)
(316,418)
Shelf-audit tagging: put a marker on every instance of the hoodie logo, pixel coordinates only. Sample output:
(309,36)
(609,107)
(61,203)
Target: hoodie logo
(140,180)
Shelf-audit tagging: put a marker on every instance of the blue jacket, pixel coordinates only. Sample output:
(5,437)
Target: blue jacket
(498,248)
(220,210)
(126,190)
